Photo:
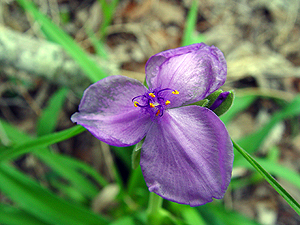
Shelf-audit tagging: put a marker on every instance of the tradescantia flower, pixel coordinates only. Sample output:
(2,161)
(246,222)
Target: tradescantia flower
(187,154)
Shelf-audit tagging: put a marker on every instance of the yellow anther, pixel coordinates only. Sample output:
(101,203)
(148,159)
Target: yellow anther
(157,113)
(175,92)
(135,103)
(151,105)
(167,102)
(152,95)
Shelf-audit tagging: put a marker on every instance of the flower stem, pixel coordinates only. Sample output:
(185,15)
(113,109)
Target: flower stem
(155,203)
(154,209)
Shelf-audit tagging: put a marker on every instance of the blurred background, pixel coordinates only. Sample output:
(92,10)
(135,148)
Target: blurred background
(47,62)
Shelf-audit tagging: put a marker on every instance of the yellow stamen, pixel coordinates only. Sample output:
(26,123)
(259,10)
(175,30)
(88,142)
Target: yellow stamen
(175,92)
(157,113)
(152,95)
(135,103)
(151,105)
(167,102)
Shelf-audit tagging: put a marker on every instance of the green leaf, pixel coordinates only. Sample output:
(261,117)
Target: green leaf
(81,166)
(253,141)
(108,10)
(273,168)
(48,121)
(191,216)
(15,151)
(288,198)
(99,46)
(123,153)
(216,214)
(189,36)
(137,182)
(12,216)
(122,221)
(79,180)
(71,169)
(54,33)
(32,198)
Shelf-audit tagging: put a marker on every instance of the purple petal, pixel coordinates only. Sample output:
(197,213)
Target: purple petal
(195,71)
(187,157)
(107,111)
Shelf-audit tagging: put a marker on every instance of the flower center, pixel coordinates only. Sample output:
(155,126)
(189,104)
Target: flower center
(153,101)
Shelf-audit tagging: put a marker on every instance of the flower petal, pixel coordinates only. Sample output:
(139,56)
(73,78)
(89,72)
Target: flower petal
(107,111)
(187,157)
(195,71)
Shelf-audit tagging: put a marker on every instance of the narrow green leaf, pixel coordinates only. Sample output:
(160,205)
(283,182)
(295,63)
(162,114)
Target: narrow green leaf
(48,121)
(108,9)
(275,169)
(123,153)
(32,198)
(125,220)
(46,124)
(98,45)
(39,143)
(253,141)
(69,193)
(190,25)
(192,216)
(78,165)
(69,168)
(288,198)
(52,31)
(58,162)
(12,216)
(216,214)
(136,182)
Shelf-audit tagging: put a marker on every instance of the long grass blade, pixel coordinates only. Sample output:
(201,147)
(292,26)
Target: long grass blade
(54,33)
(48,121)
(11,216)
(288,198)
(253,141)
(189,36)
(7,153)
(58,162)
(32,198)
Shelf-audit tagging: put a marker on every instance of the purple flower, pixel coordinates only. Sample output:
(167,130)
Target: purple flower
(187,154)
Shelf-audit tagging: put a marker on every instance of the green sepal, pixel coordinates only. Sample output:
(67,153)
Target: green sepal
(136,155)
(145,83)
(202,103)
(209,101)
(225,105)
(213,97)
